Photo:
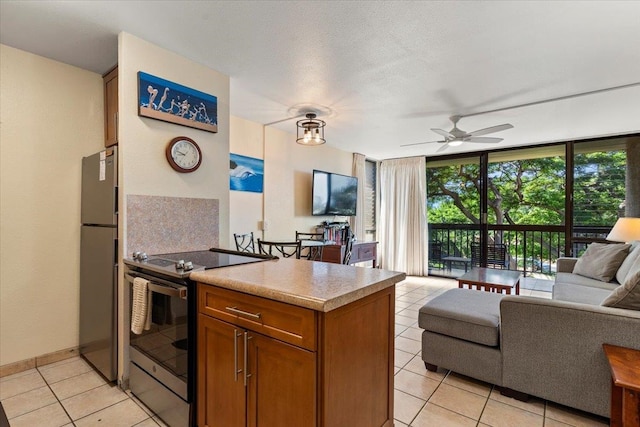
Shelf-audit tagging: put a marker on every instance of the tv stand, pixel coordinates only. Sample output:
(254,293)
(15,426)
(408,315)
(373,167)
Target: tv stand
(361,252)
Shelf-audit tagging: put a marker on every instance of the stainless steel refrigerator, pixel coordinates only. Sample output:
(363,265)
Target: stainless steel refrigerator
(99,262)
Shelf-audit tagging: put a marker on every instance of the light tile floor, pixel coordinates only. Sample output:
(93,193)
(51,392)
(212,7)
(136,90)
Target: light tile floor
(70,393)
(444,398)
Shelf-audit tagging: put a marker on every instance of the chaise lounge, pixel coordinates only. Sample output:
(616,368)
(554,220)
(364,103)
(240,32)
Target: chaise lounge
(551,349)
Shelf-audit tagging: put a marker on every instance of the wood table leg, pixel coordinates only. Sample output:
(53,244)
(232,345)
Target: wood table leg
(630,408)
(616,405)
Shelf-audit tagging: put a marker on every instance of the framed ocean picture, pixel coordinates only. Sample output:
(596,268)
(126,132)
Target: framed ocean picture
(246,173)
(171,102)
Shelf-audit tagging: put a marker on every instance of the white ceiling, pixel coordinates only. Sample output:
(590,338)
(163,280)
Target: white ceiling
(387,70)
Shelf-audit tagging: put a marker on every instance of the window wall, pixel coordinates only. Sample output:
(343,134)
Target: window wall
(536,203)
(599,189)
(370,199)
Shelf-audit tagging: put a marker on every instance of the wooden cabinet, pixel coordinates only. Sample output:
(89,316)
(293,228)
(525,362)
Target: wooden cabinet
(265,363)
(247,378)
(111,107)
(361,252)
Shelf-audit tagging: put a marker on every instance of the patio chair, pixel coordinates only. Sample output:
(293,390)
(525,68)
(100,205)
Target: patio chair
(496,255)
(435,253)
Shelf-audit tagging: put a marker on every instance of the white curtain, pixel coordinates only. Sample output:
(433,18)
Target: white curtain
(359,172)
(402,231)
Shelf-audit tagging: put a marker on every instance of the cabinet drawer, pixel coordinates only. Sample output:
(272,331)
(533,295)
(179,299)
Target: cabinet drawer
(366,252)
(286,322)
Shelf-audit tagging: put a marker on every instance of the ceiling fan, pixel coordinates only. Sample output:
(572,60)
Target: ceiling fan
(456,136)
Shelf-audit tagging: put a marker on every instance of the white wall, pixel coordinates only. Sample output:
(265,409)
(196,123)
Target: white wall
(287,180)
(51,115)
(245,207)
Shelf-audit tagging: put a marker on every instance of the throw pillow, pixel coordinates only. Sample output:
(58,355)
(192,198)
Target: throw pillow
(627,295)
(629,261)
(601,261)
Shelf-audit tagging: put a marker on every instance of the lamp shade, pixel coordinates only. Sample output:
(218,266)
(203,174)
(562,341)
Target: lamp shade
(625,230)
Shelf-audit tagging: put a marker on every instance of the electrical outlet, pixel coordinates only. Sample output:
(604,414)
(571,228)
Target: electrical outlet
(265,225)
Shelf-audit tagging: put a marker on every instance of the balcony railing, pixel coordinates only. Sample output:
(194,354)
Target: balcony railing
(529,248)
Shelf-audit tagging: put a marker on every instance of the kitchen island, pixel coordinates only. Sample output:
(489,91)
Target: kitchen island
(297,343)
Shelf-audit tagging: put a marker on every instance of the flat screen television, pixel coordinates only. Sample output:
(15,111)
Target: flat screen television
(334,194)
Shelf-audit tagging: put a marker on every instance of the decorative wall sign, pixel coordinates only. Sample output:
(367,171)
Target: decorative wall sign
(170,102)
(246,173)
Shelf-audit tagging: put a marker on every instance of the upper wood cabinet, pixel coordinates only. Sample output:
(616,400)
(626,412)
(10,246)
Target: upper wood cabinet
(111,107)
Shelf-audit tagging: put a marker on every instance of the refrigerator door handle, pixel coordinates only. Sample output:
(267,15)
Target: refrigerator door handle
(115,202)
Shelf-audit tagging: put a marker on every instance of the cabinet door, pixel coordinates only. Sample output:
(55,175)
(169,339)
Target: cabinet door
(111,108)
(221,391)
(282,384)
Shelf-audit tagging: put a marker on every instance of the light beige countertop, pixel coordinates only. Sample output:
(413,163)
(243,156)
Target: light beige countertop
(320,286)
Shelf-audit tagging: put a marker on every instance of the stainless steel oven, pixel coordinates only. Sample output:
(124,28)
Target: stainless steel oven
(163,355)
(159,357)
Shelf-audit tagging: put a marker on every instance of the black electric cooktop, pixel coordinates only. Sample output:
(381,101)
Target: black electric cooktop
(168,264)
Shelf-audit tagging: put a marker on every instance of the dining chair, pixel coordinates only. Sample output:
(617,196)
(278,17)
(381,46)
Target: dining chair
(348,246)
(244,242)
(284,249)
(309,236)
(310,252)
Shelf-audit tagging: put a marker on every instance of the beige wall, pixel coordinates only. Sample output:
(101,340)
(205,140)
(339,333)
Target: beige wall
(142,141)
(51,115)
(287,180)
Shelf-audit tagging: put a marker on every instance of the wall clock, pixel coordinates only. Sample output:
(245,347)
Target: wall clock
(183,154)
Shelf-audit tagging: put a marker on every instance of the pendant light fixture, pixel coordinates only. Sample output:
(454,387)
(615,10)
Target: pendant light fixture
(310,131)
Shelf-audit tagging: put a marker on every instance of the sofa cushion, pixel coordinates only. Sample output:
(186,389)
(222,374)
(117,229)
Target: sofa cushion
(464,313)
(601,261)
(629,261)
(626,295)
(580,294)
(574,279)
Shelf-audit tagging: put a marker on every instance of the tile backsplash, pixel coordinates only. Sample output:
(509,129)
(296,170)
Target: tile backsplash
(157,224)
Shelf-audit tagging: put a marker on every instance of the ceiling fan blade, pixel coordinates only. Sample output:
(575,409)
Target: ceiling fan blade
(420,143)
(483,139)
(491,129)
(444,147)
(443,133)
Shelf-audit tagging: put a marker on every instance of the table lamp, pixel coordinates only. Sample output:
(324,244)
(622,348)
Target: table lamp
(625,230)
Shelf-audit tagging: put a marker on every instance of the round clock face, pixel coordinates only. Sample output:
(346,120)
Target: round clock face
(183,154)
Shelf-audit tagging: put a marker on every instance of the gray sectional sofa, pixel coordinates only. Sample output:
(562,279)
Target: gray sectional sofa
(551,349)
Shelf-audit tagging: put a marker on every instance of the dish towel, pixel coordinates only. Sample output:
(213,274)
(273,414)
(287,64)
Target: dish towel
(140,306)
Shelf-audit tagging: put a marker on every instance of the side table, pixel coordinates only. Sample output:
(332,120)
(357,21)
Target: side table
(625,385)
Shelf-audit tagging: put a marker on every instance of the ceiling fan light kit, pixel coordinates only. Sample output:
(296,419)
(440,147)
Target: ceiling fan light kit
(456,137)
(310,131)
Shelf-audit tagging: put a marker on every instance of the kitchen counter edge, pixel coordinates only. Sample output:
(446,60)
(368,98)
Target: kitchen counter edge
(241,279)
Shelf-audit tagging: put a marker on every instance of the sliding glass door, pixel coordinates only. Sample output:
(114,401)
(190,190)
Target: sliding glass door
(526,208)
(453,213)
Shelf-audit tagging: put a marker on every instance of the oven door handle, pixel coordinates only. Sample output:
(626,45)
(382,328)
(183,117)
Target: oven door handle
(172,291)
